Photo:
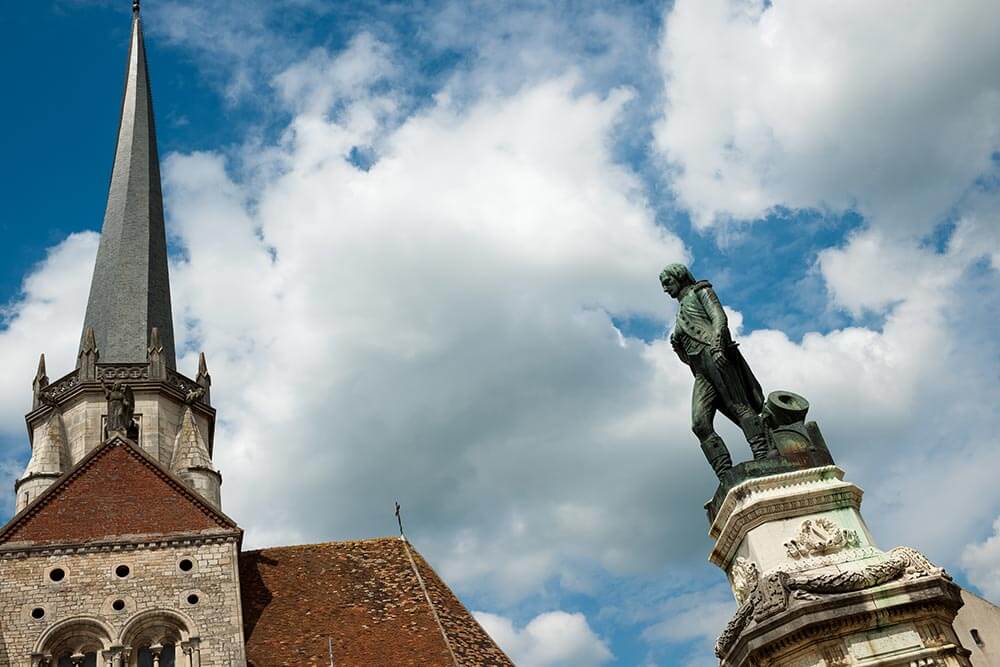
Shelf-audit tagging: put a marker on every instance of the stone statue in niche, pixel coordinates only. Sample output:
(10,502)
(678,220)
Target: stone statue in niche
(723,382)
(121,409)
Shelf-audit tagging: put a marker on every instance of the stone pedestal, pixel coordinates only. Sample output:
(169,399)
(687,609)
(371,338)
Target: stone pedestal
(813,588)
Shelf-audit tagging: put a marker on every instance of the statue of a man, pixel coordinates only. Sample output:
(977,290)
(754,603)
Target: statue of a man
(121,407)
(722,379)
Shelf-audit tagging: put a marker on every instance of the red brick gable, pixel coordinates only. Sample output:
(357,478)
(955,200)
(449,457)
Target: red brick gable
(115,491)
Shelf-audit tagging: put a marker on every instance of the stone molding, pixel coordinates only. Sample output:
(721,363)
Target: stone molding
(923,603)
(125,544)
(816,562)
(136,375)
(754,514)
(745,491)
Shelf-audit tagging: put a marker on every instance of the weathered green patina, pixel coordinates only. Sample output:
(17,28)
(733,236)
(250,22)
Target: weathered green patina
(775,429)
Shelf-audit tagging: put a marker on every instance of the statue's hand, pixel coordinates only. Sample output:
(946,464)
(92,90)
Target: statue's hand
(719,356)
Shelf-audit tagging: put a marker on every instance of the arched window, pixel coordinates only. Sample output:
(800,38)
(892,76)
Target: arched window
(74,642)
(153,638)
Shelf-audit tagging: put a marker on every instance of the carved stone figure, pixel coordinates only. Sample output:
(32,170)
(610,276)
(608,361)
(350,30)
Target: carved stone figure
(723,381)
(820,536)
(745,576)
(121,408)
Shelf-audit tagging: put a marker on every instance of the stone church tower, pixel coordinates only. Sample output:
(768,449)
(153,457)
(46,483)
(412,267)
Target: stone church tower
(119,554)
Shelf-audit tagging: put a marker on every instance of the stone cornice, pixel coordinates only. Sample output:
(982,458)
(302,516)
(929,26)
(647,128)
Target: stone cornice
(70,386)
(744,492)
(836,615)
(124,543)
(767,508)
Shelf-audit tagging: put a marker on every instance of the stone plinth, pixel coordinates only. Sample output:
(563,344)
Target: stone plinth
(813,588)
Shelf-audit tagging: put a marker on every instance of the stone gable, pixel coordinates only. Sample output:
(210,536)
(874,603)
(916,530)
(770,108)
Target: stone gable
(115,491)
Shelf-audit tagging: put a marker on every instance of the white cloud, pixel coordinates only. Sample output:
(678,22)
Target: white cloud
(982,562)
(552,639)
(693,616)
(812,104)
(436,328)
(47,317)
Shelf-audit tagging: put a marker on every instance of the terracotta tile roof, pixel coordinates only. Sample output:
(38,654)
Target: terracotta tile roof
(365,596)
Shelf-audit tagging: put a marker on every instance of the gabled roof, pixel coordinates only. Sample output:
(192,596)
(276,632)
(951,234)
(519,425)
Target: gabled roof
(377,601)
(115,491)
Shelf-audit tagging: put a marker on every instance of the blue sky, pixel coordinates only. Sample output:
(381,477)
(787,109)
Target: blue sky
(419,243)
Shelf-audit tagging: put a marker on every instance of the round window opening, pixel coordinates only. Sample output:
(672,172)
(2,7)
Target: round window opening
(118,605)
(192,599)
(186,565)
(58,574)
(37,613)
(122,571)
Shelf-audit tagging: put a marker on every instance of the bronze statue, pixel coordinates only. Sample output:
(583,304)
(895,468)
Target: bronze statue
(121,408)
(722,379)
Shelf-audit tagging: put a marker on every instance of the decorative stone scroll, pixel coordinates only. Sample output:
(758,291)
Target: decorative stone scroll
(820,536)
(772,593)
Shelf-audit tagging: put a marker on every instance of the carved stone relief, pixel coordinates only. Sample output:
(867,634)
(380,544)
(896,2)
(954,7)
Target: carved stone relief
(773,592)
(820,536)
(745,577)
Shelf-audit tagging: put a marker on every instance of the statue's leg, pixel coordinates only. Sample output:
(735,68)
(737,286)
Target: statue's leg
(756,434)
(702,423)
(735,405)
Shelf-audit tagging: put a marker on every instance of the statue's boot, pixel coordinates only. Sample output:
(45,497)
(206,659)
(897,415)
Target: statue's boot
(717,454)
(757,436)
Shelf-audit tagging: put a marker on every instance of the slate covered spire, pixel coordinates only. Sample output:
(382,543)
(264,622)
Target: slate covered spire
(130,290)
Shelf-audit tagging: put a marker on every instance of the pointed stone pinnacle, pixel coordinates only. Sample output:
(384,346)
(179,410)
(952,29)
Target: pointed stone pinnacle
(154,356)
(40,382)
(135,6)
(89,341)
(86,361)
(154,340)
(204,380)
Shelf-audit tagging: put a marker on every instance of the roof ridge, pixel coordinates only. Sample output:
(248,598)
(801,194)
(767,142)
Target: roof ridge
(363,540)
(430,603)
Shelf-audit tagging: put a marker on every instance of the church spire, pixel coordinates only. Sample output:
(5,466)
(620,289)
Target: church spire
(130,290)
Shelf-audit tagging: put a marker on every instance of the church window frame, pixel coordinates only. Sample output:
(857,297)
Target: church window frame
(57,574)
(83,639)
(155,630)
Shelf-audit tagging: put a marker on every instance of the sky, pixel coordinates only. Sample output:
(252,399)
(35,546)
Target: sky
(419,244)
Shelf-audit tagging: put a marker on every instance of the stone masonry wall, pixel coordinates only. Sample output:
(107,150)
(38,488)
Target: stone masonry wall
(155,581)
